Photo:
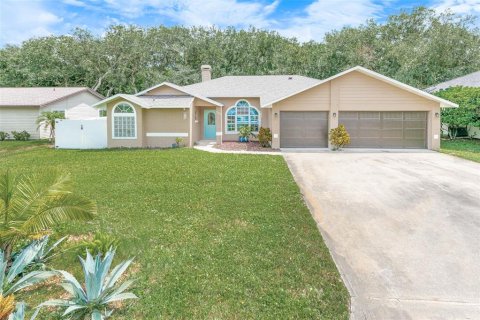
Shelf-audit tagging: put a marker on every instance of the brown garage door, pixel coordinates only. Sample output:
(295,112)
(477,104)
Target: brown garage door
(386,129)
(306,129)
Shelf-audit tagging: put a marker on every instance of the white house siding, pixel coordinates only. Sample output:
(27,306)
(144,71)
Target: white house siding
(19,119)
(74,108)
(474,132)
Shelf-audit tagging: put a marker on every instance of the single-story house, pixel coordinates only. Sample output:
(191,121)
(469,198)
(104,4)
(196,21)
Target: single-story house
(470,80)
(378,112)
(20,107)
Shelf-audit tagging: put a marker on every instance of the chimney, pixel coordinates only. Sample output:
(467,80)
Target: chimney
(206,72)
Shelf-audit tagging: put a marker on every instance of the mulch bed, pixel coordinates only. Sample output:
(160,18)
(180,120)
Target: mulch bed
(243,146)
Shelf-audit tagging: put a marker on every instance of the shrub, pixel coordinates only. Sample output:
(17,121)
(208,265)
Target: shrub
(21,136)
(99,292)
(265,137)
(179,142)
(4,135)
(100,244)
(339,137)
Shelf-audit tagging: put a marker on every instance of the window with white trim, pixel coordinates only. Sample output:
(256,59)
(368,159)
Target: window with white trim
(124,121)
(240,115)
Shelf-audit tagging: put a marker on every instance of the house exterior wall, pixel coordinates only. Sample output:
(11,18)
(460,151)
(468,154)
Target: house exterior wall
(19,119)
(358,92)
(164,90)
(24,118)
(162,126)
(156,128)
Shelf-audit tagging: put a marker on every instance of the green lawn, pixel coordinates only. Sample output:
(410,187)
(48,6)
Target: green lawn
(10,146)
(464,148)
(215,236)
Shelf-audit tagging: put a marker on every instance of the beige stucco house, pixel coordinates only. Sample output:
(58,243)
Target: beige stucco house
(378,112)
(20,107)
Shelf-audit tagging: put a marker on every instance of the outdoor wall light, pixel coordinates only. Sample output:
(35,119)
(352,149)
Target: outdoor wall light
(276,114)
(334,114)
(437,114)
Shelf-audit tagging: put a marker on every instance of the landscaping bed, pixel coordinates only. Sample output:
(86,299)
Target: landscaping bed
(243,146)
(222,236)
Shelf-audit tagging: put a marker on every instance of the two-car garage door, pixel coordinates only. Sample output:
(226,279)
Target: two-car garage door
(386,129)
(367,129)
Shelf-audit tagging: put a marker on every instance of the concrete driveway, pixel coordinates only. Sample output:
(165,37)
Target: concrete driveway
(403,229)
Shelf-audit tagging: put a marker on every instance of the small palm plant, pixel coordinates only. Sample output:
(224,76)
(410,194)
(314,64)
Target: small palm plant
(47,120)
(30,205)
(100,288)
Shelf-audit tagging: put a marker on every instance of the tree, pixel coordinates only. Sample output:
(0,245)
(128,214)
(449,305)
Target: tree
(47,119)
(31,205)
(419,47)
(468,111)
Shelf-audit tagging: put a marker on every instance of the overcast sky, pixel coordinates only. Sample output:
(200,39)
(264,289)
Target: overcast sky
(304,19)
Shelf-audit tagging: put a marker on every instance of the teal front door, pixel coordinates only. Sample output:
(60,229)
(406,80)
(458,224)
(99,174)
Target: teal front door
(209,124)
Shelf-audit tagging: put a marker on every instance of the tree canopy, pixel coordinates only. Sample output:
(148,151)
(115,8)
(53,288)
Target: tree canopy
(420,48)
(468,111)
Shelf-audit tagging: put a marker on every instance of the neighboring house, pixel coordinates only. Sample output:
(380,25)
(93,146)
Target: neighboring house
(470,80)
(20,107)
(378,112)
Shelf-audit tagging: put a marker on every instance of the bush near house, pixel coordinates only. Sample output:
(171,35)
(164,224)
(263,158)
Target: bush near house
(265,137)
(339,137)
(4,135)
(21,136)
(468,111)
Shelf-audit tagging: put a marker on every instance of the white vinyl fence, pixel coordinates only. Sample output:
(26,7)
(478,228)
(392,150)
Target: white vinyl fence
(81,134)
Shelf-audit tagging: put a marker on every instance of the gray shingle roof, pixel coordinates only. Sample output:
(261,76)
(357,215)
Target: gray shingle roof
(38,96)
(470,80)
(166,101)
(267,88)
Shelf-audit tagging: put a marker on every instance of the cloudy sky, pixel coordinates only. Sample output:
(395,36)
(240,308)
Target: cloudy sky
(304,19)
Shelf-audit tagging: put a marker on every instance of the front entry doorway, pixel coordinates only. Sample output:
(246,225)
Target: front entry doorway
(209,127)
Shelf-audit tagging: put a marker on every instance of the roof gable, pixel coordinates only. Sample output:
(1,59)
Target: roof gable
(378,76)
(181,89)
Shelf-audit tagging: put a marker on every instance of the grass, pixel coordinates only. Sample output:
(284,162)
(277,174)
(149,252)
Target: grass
(215,236)
(9,146)
(463,148)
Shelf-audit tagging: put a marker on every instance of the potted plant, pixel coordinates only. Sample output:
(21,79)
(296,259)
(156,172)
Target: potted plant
(244,133)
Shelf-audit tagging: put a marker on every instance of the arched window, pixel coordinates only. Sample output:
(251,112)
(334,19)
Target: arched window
(240,115)
(124,121)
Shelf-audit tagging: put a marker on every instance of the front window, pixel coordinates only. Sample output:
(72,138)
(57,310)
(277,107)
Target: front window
(241,115)
(124,121)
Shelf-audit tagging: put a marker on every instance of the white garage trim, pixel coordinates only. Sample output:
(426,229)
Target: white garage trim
(167,134)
